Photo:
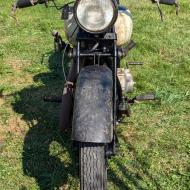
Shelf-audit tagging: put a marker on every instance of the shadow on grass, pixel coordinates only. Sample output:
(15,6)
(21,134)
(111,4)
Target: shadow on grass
(49,171)
(38,162)
(137,175)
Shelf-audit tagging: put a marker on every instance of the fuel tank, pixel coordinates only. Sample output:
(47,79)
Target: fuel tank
(123,27)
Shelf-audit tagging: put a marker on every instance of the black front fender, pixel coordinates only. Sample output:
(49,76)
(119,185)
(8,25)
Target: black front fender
(93,106)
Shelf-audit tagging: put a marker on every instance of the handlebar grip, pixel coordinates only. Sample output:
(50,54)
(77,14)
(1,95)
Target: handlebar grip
(168,2)
(25,3)
(28,3)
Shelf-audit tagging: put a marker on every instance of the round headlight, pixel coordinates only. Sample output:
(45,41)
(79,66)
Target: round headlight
(96,16)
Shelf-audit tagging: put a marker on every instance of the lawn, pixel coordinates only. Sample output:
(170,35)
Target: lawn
(154,141)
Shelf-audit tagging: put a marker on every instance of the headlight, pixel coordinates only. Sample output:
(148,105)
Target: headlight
(96,16)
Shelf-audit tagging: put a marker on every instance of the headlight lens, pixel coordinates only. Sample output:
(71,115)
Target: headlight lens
(96,16)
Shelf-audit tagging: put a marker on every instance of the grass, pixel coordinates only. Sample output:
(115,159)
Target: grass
(155,141)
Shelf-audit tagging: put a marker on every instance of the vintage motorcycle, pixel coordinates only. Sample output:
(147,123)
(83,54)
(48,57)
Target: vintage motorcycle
(99,32)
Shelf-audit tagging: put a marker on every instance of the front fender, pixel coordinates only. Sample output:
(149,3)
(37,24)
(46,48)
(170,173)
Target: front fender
(93,105)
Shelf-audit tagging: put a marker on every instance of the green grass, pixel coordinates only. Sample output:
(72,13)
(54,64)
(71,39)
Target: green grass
(155,141)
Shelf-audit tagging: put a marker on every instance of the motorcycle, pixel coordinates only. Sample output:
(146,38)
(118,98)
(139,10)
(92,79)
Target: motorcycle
(99,33)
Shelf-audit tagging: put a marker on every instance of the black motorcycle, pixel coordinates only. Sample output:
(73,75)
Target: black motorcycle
(97,31)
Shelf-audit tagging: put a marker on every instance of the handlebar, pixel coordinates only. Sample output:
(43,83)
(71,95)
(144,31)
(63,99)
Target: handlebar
(29,3)
(168,2)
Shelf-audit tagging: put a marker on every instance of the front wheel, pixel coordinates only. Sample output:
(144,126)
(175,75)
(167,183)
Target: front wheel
(93,169)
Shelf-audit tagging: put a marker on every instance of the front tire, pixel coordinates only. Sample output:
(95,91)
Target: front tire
(93,170)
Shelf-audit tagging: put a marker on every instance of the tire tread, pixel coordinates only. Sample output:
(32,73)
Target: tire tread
(92,166)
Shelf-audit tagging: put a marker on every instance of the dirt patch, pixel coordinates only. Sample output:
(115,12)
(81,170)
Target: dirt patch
(1,101)
(19,77)
(16,126)
(129,134)
(2,138)
(2,134)
(17,80)
(4,40)
(17,64)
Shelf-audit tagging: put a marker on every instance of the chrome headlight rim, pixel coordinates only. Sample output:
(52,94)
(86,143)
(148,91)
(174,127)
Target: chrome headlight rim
(115,15)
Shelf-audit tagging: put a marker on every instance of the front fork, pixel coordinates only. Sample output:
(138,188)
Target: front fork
(113,147)
(117,54)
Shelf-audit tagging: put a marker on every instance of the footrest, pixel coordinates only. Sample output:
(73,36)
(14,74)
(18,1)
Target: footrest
(145,97)
(142,97)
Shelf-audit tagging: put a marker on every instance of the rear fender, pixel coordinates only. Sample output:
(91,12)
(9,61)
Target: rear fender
(93,106)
